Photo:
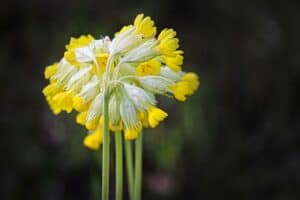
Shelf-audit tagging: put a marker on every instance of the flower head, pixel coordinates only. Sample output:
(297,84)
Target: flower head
(131,69)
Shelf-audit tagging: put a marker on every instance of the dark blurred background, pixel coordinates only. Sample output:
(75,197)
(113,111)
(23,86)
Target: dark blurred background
(237,137)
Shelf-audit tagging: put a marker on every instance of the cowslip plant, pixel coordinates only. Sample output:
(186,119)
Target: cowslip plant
(112,85)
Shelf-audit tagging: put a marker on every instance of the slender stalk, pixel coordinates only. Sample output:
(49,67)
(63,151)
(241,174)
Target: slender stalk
(119,166)
(106,143)
(138,167)
(129,166)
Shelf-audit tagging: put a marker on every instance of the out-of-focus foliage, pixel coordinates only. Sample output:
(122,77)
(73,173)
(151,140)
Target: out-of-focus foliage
(237,137)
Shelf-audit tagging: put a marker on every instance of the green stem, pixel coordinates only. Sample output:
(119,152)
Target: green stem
(138,167)
(106,143)
(129,166)
(119,165)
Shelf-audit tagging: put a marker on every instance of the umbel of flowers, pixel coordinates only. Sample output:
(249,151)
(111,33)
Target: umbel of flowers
(112,83)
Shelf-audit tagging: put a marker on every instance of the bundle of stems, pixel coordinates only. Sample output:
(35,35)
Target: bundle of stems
(134,170)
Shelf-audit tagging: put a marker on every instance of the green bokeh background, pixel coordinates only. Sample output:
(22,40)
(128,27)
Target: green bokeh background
(237,137)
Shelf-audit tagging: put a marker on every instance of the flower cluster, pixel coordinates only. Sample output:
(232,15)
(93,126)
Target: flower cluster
(130,69)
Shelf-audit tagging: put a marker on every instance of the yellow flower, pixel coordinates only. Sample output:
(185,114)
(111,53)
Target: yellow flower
(145,26)
(92,125)
(187,86)
(143,117)
(50,70)
(83,40)
(192,79)
(102,60)
(116,127)
(51,89)
(79,104)
(156,115)
(151,67)
(168,43)
(55,109)
(132,132)
(64,100)
(174,62)
(94,139)
(131,69)
(81,118)
(181,90)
